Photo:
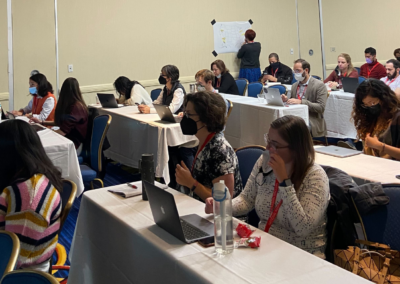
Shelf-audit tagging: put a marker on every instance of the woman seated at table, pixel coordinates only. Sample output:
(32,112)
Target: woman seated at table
(71,114)
(287,177)
(30,203)
(376,116)
(131,92)
(173,92)
(224,81)
(343,69)
(43,102)
(215,159)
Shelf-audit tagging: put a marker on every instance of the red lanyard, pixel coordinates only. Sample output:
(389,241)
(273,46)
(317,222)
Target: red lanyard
(218,83)
(302,95)
(390,81)
(273,211)
(209,137)
(369,71)
(275,71)
(344,75)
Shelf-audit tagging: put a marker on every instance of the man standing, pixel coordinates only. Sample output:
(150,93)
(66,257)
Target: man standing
(311,92)
(393,79)
(372,69)
(276,71)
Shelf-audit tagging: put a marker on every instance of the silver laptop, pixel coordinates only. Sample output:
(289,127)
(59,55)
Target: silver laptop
(273,97)
(108,101)
(337,151)
(165,113)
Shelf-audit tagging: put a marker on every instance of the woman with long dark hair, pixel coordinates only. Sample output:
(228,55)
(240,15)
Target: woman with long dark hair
(131,92)
(289,191)
(30,203)
(71,113)
(43,103)
(376,116)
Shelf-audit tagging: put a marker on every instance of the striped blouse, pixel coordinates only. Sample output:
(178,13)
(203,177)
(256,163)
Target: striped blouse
(31,209)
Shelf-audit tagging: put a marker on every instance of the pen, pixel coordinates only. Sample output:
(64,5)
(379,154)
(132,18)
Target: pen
(131,185)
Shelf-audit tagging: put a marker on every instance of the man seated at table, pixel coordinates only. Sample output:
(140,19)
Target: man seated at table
(311,92)
(277,71)
(372,69)
(393,79)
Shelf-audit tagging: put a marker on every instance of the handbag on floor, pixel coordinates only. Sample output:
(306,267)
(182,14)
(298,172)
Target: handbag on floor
(380,265)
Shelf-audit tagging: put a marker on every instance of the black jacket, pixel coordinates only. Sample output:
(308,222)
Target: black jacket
(284,73)
(228,85)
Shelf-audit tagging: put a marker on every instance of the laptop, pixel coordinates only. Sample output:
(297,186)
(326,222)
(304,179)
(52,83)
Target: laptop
(336,151)
(9,115)
(108,101)
(273,97)
(165,113)
(350,84)
(188,228)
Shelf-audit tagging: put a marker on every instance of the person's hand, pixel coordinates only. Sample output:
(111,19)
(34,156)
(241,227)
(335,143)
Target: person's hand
(180,114)
(14,112)
(284,98)
(35,120)
(264,79)
(144,108)
(184,176)
(271,78)
(278,166)
(209,209)
(294,101)
(333,85)
(29,115)
(373,142)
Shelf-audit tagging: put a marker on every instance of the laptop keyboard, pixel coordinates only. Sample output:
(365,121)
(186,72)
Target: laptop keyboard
(191,232)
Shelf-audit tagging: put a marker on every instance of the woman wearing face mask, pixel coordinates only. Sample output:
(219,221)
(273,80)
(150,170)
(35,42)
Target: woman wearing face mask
(215,159)
(249,54)
(376,116)
(289,191)
(43,103)
(343,69)
(131,92)
(173,92)
(224,81)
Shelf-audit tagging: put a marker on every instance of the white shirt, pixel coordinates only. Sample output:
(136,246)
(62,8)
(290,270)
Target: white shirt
(177,100)
(47,108)
(393,85)
(140,95)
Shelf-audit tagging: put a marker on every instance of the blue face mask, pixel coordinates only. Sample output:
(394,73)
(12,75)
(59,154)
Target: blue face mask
(33,90)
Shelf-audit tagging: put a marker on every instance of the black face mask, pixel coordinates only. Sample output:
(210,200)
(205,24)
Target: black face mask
(162,80)
(189,126)
(274,65)
(374,110)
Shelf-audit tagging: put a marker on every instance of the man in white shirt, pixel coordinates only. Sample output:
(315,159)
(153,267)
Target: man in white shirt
(393,79)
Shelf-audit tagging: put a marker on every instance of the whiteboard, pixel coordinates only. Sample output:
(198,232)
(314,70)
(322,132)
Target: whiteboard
(229,36)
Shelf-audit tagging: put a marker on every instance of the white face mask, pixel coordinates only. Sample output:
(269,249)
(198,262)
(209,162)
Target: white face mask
(200,88)
(218,76)
(299,76)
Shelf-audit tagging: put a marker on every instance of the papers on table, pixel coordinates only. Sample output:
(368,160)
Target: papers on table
(127,191)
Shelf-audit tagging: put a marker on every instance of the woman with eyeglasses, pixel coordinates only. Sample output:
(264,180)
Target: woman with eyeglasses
(376,116)
(215,159)
(289,191)
(173,92)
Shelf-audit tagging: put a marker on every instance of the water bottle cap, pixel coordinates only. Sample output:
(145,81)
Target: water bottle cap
(219,186)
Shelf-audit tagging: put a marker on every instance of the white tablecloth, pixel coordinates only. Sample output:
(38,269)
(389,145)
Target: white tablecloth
(250,119)
(116,241)
(337,115)
(132,134)
(62,153)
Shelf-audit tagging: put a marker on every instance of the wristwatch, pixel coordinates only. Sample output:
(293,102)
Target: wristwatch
(286,182)
(193,188)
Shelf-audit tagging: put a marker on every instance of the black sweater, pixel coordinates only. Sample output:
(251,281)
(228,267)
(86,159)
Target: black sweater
(227,86)
(284,74)
(250,55)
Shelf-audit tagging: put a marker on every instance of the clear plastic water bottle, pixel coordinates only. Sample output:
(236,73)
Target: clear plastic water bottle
(223,226)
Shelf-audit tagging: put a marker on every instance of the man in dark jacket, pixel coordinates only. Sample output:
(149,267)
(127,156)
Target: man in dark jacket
(276,71)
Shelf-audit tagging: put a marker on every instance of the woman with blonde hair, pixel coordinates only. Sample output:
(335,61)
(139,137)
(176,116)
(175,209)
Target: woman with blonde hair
(343,69)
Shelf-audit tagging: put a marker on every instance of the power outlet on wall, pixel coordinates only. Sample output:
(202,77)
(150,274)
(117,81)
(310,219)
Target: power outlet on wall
(333,49)
(291,51)
(70,68)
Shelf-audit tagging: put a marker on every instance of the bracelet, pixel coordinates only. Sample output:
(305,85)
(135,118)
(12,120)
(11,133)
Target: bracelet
(383,149)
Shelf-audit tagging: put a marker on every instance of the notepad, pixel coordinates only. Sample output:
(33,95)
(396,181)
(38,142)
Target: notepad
(127,191)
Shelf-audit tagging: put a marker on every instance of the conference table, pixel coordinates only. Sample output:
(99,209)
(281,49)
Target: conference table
(117,241)
(250,119)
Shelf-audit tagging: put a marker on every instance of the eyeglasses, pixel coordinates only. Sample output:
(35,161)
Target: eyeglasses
(273,144)
(188,115)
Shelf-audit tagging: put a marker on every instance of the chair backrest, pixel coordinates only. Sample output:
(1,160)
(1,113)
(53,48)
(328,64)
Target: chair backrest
(28,276)
(316,77)
(253,89)
(293,79)
(383,224)
(242,83)
(282,89)
(247,157)
(68,195)
(9,251)
(229,105)
(100,127)
(361,79)
(155,93)
(358,70)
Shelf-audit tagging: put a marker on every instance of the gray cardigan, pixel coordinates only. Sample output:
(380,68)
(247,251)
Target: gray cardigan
(315,98)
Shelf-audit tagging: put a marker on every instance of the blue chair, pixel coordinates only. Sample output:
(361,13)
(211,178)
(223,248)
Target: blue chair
(282,89)
(247,157)
(358,70)
(253,89)
(28,276)
(316,77)
(9,248)
(383,224)
(100,127)
(294,79)
(361,79)
(242,85)
(155,93)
